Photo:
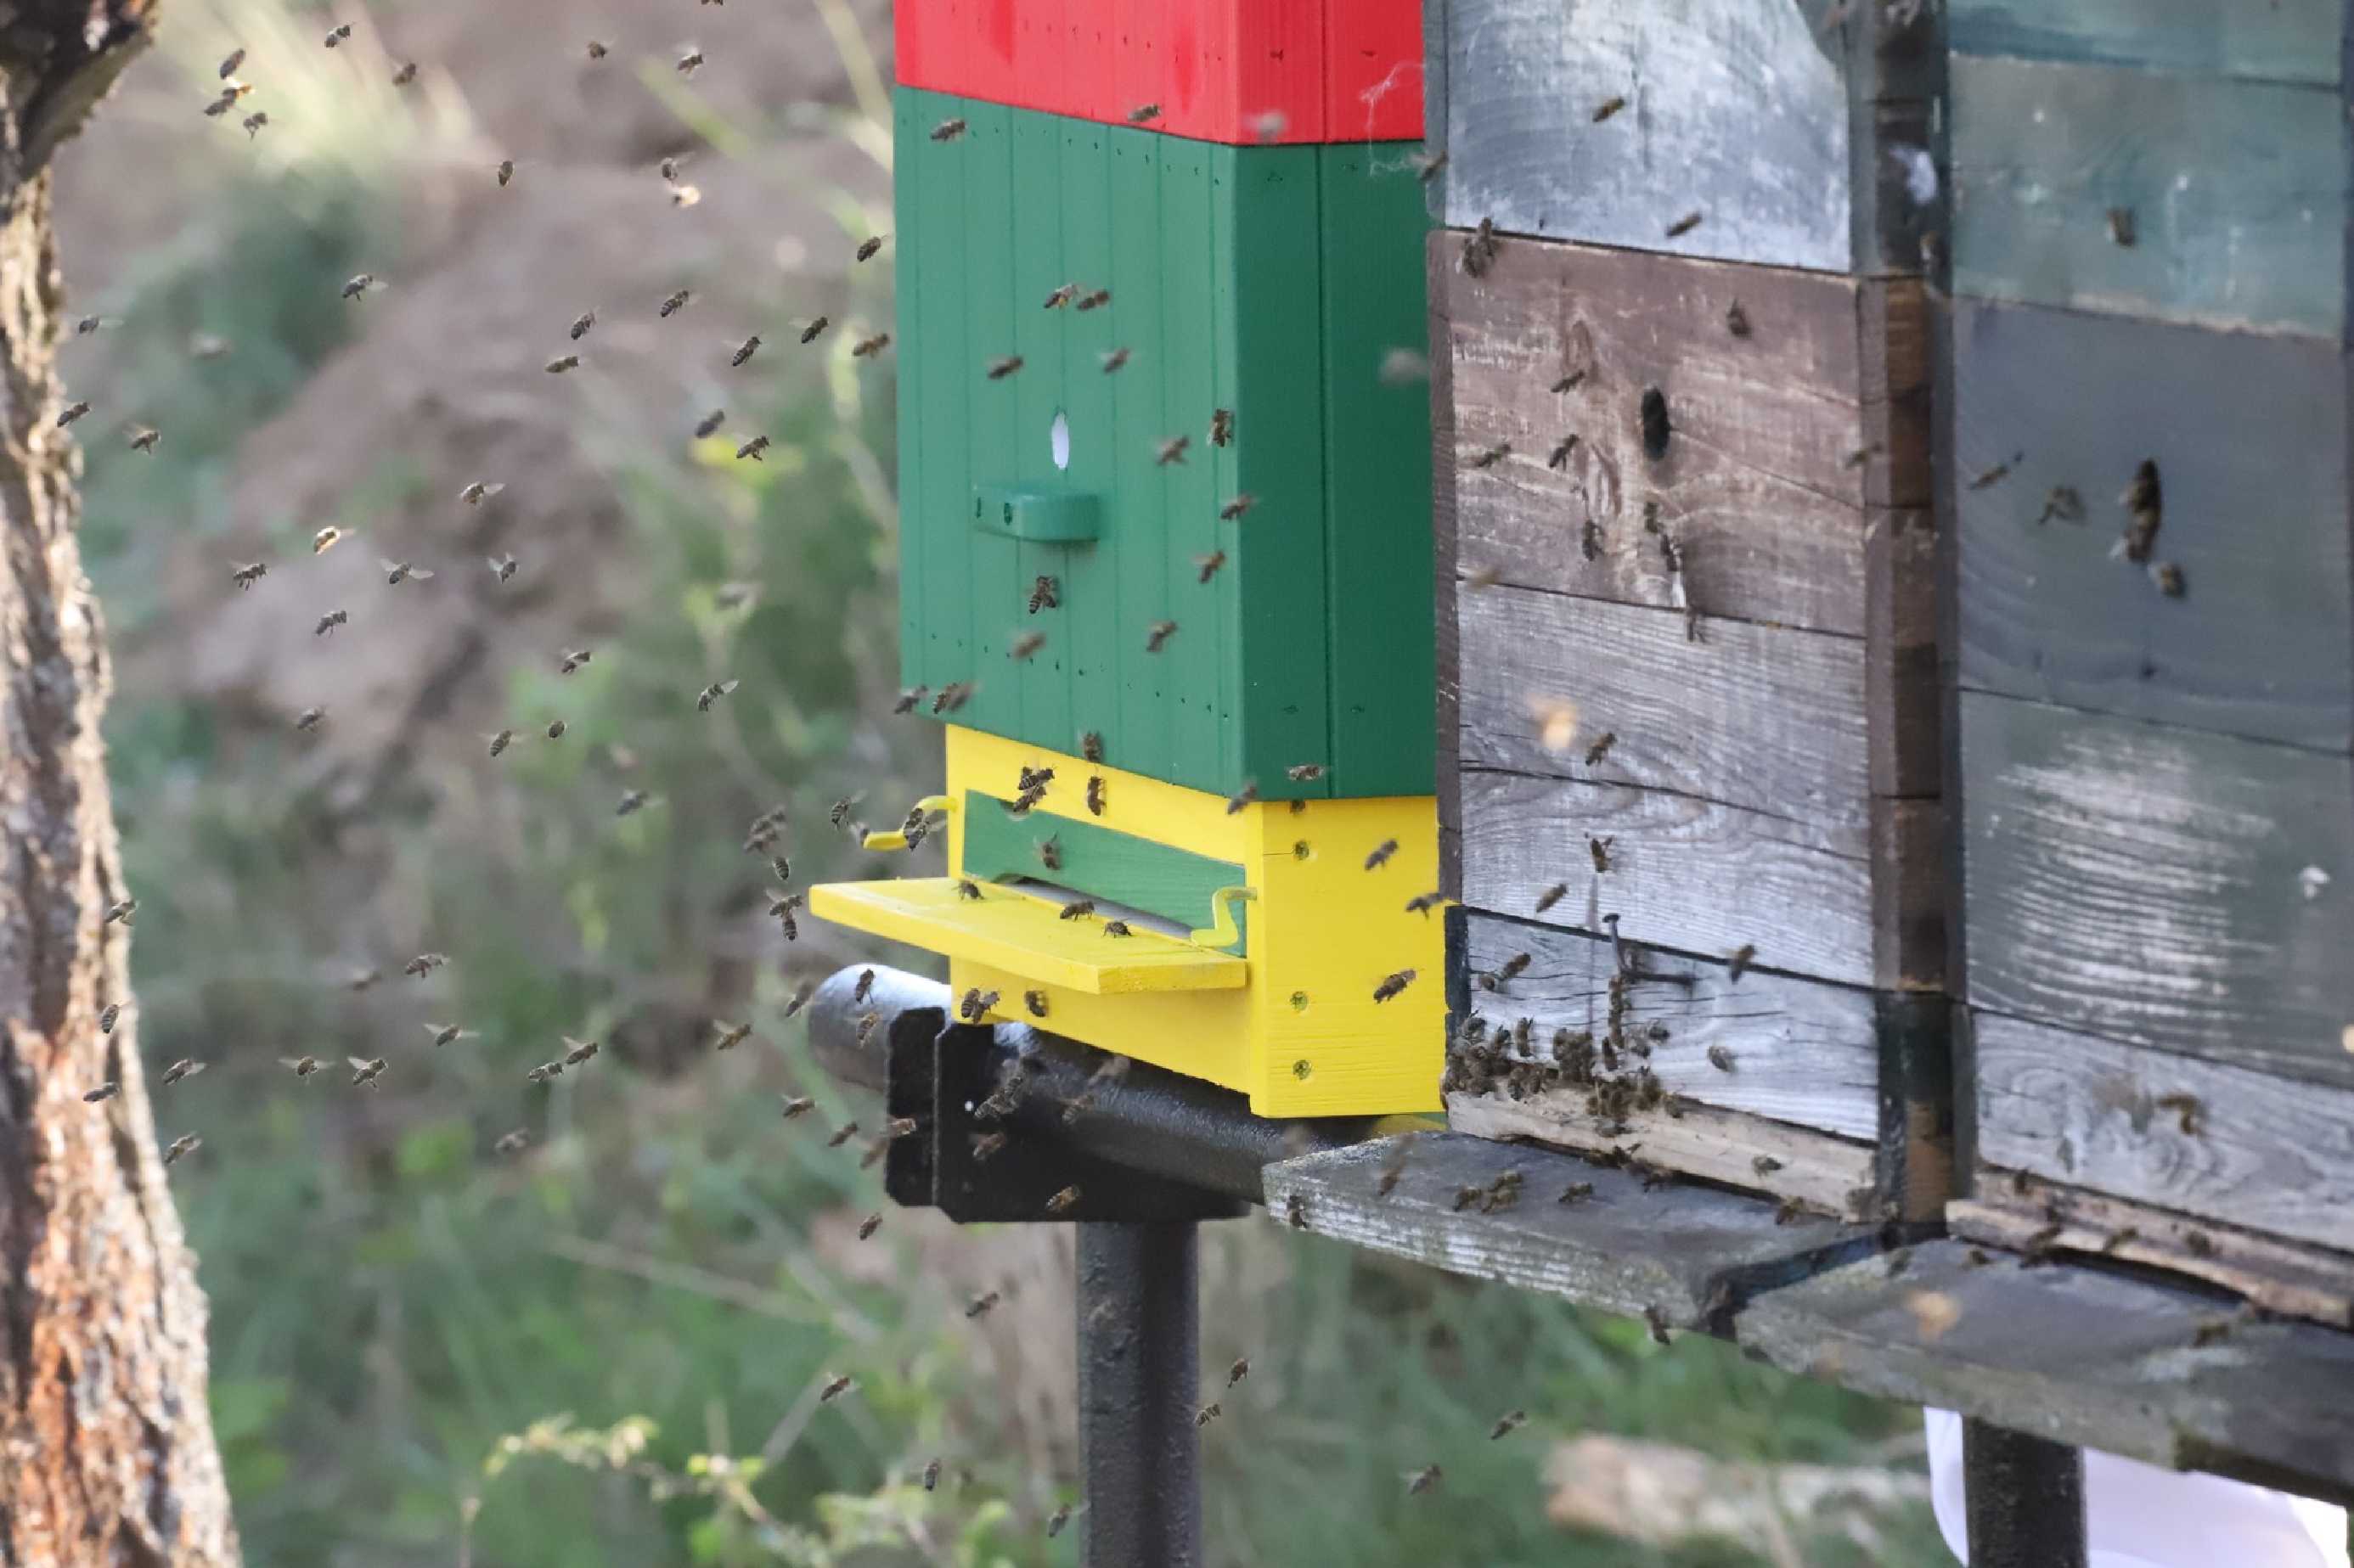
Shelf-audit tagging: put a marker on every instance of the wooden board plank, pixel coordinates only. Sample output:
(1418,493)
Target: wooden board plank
(1733,110)
(1715,877)
(2237,191)
(1445,553)
(1089,615)
(2282,41)
(1831,1175)
(2011,1209)
(1190,669)
(984,246)
(2079,1355)
(2262,1153)
(1759,482)
(2249,435)
(1801,1051)
(2152,883)
(1755,716)
(1688,1253)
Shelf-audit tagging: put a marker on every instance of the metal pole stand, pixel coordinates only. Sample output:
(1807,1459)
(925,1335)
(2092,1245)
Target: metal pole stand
(1139,1451)
(2026,1498)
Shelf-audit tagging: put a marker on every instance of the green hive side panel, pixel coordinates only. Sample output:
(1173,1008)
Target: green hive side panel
(1233,274)
(1377,473)
(1269,268)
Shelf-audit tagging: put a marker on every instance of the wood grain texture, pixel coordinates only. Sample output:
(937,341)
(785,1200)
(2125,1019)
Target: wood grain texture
(2014,1210)
(2281,40)
(1689,1253)
(1826,1173)
(2152,883)
(1734,108)
(2237,189)
(2262,1153)
(2080,1355)
(1802,1052)
(2249,437)
(1691,874)
(1778,440)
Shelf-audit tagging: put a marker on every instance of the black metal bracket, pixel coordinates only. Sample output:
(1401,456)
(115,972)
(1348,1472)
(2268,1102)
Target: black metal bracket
(975,1153)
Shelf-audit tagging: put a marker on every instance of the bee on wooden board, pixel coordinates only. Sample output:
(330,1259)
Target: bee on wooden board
(1096,795)
(1480,248)
(1222,426)
(1684,225)
(1116,928)
(1737,965)
(1601,748)
(1552,895)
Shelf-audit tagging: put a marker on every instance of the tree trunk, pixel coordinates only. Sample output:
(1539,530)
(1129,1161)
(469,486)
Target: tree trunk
(106,1448)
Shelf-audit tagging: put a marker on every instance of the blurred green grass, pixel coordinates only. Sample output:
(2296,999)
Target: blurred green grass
(402,1322)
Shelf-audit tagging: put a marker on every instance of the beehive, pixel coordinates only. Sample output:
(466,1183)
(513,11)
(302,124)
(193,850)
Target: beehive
(1165,503)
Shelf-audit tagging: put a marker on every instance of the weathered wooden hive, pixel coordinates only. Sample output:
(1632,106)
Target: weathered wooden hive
(1895,589)
(1163,522)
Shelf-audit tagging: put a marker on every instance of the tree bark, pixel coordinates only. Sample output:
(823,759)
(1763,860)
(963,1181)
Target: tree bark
(106,1446)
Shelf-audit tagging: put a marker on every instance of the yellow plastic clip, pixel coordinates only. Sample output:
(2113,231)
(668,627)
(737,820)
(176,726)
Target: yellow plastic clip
(897,840)
(1223,933)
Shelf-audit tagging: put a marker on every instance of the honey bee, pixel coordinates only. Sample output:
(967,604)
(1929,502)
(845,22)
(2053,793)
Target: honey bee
(501,566)
(1050,853)
(1025,644)
(800,996)
(632,802)
(562,363)
(405,75)
(341,32)
(1552,895)
(976,1002)
(1607,108)
(120,911)
(1601,748)
(978,1307)
(870,347)
(842,1135)
(327,538)
(143,441)
(685,195)
(581,1051)
(868,247)
(1558,459)
(1035,1000)
(89,324)
(909,698)
(865,988)
(2121,226)
(359,283)
(229,66)
(181,1147)
(712,694)
(690,62)
(2187,1107)
(365,1070)
(1424,902)
(597,51)
(968,889)
(1490,457)
(783,910)
(1684,226)
(798,1105)
(580,325)
(1062,296)
(2169,579)
(1422,1480)
(506,178)
(750,347)
(1206,1414)
(2144,501)
(424,964)
(499,741)
(1513,967)
(1997,473)
(731,1036)
(947,131)
(2063,502)
(555,729)
(1393,985)
(1222,426)
(1242,797)
(573,659)
(1721,1058)
(1158,635)
(1480,248)
(480,490)
(1239,1370)
(1144,114)
(1093,302)
(1063,1201)
(817,325)
(1171,451)
(254,123)
(73,411)
(1599,848)
(1113,359)
(106,1019)
(186,1067)
(1742,957)
(931,1475)
(309,719)
(1511,1421)
(1116,928)
(1381,854)
(869,1225)
(105,1091)
(398,572)
(1061,1516)
(1034,778)
(838,1387)
(1091,746)
(986,1144)
(952,696)
(246,576)
(1233,510)
(1427,165)
(710,422)
(1044,593)
(304,1066)
(1077,909)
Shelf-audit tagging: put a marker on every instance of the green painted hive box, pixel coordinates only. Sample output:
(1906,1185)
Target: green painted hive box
(1198,457)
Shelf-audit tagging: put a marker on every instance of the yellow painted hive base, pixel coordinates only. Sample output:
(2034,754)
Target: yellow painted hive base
(1290,1020)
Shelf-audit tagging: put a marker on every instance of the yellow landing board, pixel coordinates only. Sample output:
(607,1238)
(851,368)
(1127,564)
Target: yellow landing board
(1025,936)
